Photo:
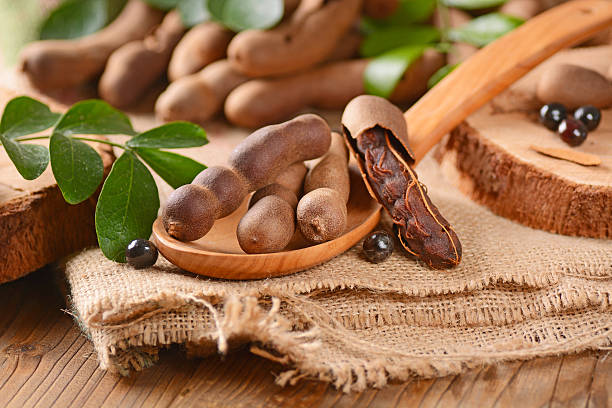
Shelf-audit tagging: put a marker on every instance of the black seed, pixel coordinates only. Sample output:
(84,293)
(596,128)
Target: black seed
(552,114)
(589,115)
(378,246)
(141,253)
(573,132)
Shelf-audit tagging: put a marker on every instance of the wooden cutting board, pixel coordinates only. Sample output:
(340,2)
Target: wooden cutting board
(36,225)
(488,158)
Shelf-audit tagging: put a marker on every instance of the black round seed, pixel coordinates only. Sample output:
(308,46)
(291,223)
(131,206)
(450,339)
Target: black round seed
(572,131)
(141,253)
(552,114)
(589,115)
(378,246)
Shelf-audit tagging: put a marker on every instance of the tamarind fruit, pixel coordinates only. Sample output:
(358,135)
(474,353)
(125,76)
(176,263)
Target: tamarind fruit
(293,178)
(460,51)
(205,43)
(377,135)
(262,101)
(307,37)
(135,66)
(380,8)
(198,97)
(51,64)
(574,86)
(321,212)
(216,192)
(524,9)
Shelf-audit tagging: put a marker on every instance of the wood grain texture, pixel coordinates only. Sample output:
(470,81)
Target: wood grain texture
(46,362)
(36,225)
(492,69)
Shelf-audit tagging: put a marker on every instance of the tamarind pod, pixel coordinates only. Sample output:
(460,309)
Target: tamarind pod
(377,135)
(347,47)
(322,212)
(380,8)
(307,37)
(135,66)
(460,51)
(200,96)
(53,64)
(293,178)
(205,43)
(255,162)
(524,9)
(289,7)
(331,86)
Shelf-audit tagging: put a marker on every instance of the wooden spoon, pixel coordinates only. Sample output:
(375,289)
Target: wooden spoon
(486,74)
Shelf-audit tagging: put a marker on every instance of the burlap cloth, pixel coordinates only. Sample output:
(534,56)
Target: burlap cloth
(519,293)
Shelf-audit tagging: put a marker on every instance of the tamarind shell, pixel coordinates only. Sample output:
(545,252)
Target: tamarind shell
(226,185)
(322,215)
(187,215)
(293,178)
(574,86)
(275,190)
(332,170)
(267,227)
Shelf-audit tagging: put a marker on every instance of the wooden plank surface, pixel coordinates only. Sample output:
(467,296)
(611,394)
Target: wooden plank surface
(45,361)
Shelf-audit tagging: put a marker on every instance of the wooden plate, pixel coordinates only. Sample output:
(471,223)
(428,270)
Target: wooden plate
(218,254)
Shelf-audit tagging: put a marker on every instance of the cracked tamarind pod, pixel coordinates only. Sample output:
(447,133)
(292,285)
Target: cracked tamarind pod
(306,38)
(258,160)
(377,135)
(136,66)
(52,64)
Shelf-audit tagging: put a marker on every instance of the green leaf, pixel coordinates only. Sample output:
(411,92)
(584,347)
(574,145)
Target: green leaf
(127,206)
(383,73)
(75,18)
(163,4)
(193,12)
(440,74)
(175,169)
(408,12)
(94,117)
(171,136)
(77,167)
(24,116)
(386,39)
(29,159)
(241,15)
(485,29)
(473,4)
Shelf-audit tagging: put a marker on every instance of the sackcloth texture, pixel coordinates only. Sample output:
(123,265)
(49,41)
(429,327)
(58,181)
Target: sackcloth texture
(518,293)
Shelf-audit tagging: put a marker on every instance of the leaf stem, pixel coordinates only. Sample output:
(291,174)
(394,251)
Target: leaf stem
(86,139)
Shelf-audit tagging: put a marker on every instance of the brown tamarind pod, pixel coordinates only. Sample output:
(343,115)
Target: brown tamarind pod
(306,38)
(347,47)
(51,64)
(257,161)
(460,51)
(205,43)
(134,67)
(198,97)
(261,101)
(574,86)
(293,178)
(380,8)
(377,135)
(322,214)
(269,224)
(524,9)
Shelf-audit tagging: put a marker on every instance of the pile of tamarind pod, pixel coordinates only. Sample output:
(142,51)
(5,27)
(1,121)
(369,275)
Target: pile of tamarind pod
(270,162)
(255,77)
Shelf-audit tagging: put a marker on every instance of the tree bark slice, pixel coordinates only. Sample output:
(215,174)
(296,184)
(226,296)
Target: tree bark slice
(489,159)
(36,225)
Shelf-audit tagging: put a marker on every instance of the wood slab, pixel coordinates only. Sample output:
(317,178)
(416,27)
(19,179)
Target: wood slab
(36,225)
(488,158)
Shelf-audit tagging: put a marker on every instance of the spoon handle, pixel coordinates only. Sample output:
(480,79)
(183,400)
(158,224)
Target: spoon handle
(491,70)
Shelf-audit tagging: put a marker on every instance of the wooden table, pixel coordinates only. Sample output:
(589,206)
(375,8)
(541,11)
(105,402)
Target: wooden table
(46,361)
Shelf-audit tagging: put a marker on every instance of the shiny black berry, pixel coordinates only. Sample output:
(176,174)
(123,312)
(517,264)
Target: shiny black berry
(378,246)
(572,131)
(141,253)
(552,114)
(589,115)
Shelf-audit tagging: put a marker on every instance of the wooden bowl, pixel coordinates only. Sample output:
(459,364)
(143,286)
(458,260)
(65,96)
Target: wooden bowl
(218,254)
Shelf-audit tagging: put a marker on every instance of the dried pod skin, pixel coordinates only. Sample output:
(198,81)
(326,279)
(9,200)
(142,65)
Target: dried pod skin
(307,37)
(293,178)
(226,185)
(332,170)
(379,141)
(321,215)
(574,86)
(53,64)
(203,44)
(198,97)
(190,212)
(136,66)
(275,190)
(267,227)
